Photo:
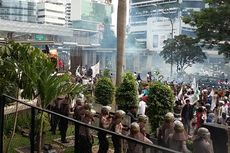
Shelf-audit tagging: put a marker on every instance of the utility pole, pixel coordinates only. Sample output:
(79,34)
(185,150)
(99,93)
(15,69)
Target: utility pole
(171,69)
(171,20)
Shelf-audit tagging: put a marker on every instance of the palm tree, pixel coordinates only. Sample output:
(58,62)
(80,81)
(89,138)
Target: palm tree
(121,24)
(39,80)
(9,82)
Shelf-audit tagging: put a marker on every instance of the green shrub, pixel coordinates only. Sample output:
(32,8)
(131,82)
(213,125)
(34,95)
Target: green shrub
(104,91)
(189,144)
(23,122)
(8,124)
(160,102)
(126,94)
(106,73)
(24,119)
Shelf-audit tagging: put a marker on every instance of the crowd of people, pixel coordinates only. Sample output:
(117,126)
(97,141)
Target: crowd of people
(83,112)
(193,107)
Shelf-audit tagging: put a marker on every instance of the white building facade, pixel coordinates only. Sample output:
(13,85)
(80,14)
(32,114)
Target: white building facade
(51,12)
(151,23)
(68,14)
(160,29)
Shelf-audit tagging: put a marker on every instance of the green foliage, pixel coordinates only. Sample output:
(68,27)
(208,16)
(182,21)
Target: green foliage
(21,141)
(104,91)
(8,124)
(43,118)
(23,121)
(225,50)
(213,24)
(160,102)
(217,2)
(126,94)
(182,51)
(189,144)
(34,72)
(9,79)
(106,73)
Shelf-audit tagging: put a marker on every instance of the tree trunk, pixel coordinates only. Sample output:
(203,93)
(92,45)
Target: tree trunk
(40,135)
(171,69)
(39,132)
(121,24)
(15,124)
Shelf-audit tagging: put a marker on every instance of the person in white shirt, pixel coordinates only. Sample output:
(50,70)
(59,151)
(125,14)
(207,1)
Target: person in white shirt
(142,106)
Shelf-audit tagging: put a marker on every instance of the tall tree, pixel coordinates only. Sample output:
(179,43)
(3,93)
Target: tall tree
(171,15)
(213,25)
(121,25)
(182,51)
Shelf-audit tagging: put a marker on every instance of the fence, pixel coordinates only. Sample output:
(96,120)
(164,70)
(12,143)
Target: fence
(150,147)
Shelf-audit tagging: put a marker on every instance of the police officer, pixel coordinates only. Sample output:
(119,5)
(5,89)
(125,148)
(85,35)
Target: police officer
(63,124)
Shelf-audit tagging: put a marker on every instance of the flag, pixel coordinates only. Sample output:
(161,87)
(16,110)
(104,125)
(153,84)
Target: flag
(194,85)
(212,93)
(179,96)
(196,95)
(213,99)
(77,73)
(96,69)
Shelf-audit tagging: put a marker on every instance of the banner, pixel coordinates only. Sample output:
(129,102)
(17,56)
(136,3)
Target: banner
(196,95)
(211,93)
(194,85)
(96,69)
(179,96)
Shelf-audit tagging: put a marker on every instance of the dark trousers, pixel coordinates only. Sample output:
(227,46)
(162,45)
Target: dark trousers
(186,125)
(63,126)
(103,143)
(77,138)
(85,144)
(116,144)
(54,123)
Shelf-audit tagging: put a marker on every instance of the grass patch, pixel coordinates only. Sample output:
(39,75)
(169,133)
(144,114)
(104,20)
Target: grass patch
(20,141)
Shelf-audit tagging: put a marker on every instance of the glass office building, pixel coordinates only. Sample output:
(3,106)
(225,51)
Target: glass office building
(18,10)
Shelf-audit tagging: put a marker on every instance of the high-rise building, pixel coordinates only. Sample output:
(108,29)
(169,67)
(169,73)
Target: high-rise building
(68,14)
(93,12)
(51,12)
(142,10)
(18,10)
(153,21)
(88,18)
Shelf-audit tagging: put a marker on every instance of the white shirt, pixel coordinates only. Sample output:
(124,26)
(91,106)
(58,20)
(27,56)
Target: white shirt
(142,107)
(224,109)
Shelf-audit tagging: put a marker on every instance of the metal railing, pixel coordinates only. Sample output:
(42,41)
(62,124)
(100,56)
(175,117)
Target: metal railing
(154,148)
